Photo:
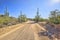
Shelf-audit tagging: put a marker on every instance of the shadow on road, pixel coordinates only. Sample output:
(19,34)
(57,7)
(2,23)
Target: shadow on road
(49,33)
(44,33)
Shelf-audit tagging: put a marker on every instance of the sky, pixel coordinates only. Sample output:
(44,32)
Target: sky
(29,7)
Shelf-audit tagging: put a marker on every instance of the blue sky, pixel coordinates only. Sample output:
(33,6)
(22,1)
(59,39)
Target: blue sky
(29,7)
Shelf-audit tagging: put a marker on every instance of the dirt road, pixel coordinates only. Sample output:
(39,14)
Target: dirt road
(26,32)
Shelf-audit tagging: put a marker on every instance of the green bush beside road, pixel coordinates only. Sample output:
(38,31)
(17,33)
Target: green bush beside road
(55,17)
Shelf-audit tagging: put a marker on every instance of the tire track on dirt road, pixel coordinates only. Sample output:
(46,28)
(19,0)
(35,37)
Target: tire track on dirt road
(26,34)
(20,32)
(13,34)
(35,30)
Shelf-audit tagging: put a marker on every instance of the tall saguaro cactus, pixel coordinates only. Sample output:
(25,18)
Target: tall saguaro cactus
(22,18)
(37,17)
(6,12)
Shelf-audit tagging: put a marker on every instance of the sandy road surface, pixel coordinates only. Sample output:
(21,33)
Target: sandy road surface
(36,29)
(9,28)
(27,32)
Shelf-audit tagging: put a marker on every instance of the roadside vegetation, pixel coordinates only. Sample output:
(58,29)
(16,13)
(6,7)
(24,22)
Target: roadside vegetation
(22,18)
(38,17)
(55,17)
(6,20)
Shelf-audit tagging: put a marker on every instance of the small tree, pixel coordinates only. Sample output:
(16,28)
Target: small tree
(55,17)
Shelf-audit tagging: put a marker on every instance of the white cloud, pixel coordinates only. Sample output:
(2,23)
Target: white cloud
(52,2)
